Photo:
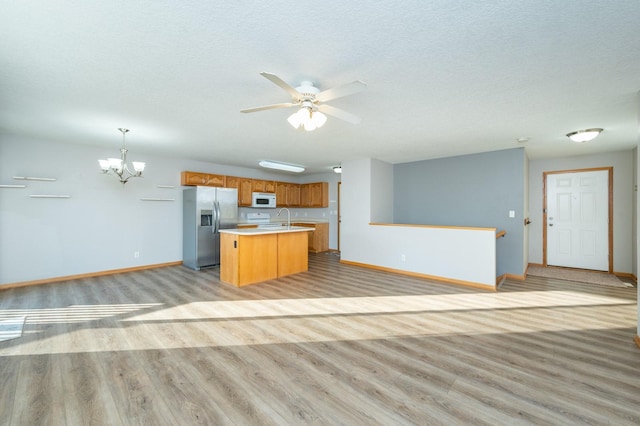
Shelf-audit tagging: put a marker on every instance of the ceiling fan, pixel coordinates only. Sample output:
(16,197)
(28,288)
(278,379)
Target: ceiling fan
(311,102)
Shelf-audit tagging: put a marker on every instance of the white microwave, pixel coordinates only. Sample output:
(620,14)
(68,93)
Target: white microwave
(265,200)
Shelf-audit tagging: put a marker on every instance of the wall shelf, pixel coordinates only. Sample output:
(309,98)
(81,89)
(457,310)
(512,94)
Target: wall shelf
(49,196)
(13,186)
(157,199)
(34,178)
(166,186)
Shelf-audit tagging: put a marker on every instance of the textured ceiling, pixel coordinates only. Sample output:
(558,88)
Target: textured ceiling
(444,77)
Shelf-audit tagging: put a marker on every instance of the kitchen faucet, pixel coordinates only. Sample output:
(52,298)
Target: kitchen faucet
(288,216)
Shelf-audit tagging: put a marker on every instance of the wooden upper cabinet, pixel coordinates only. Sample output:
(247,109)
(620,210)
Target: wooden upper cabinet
(193,178)
(243,185)
(287,194)
(293,195)
(281,194)
(318,194)
(314,194)
(305,201)
(263,186)
(201,179)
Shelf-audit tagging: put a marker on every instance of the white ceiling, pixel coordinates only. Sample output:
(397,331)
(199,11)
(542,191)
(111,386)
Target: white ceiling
(444,77)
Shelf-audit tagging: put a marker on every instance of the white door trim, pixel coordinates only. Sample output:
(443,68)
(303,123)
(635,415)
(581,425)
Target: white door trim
(610,202)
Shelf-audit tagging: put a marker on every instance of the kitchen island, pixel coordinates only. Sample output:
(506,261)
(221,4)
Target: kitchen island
(253,255)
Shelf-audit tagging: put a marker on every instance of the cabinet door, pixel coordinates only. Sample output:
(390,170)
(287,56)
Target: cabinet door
(244,192)
(215,180)
(293,195)
(321,238)
(281,194)
(258,185)
(243,185)
(305,200)
(319,194)
(269,186)
(312,240)
(232,182)
(193,178)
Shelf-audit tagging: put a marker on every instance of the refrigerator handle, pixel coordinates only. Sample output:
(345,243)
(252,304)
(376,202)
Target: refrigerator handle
(216,221)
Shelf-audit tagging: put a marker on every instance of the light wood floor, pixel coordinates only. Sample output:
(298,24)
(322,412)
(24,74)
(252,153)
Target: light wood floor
(336,345)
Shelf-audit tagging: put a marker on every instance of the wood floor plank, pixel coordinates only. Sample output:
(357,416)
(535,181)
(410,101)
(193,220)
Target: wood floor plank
(338,344)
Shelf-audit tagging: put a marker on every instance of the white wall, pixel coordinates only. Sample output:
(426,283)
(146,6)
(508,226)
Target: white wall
(622,163)
(103,224)
(526,212)
(455,254)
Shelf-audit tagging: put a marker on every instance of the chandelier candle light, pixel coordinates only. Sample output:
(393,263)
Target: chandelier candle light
(118,166)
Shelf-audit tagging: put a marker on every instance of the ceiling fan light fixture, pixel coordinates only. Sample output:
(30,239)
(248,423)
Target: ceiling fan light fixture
(281,166)
(584,135)
(319,118)
(295,119)
(307,118)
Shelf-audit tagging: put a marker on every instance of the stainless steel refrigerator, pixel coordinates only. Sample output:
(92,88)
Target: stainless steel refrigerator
(205,211)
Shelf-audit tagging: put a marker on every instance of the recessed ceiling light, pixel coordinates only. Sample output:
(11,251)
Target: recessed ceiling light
(523,140)
(281,166)
(584,135)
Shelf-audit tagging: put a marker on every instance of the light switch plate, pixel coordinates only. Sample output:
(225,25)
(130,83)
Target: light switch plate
(512,213)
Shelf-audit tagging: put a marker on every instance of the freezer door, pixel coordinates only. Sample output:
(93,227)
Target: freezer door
(206,255)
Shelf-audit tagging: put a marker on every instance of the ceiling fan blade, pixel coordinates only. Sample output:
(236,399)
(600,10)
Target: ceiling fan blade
(340,91)
(280,82)
(265,107)
(338,113)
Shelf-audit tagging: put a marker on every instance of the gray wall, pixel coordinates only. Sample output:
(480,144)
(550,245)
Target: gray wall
(623,211)
(470,190)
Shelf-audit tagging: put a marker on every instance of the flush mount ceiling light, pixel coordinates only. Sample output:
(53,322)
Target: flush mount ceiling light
(584,135)
(118,166)
(337,169)
(281,166)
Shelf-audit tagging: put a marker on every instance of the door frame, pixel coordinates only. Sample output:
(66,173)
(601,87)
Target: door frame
(339,217)
(609,199)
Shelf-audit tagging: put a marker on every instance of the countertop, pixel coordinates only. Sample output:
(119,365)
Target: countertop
(309,220)
(265,231)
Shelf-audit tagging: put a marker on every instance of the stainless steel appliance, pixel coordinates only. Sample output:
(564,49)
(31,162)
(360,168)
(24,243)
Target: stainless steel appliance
(205,211)
(263,199)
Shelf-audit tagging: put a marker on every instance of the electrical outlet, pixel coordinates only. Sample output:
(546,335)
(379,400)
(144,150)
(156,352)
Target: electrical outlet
(136,254)
(403,258)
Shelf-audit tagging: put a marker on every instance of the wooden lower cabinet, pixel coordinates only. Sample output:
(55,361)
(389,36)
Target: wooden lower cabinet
(292,253)
(250,259)
(319,238)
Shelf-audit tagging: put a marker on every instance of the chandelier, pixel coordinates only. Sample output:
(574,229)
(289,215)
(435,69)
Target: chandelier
(307,117)
(118,166)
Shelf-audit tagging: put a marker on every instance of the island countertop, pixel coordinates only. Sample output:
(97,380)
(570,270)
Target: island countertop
(253,255)
(265,231)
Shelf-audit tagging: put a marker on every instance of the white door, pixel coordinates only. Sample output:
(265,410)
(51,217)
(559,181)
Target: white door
(578,220)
